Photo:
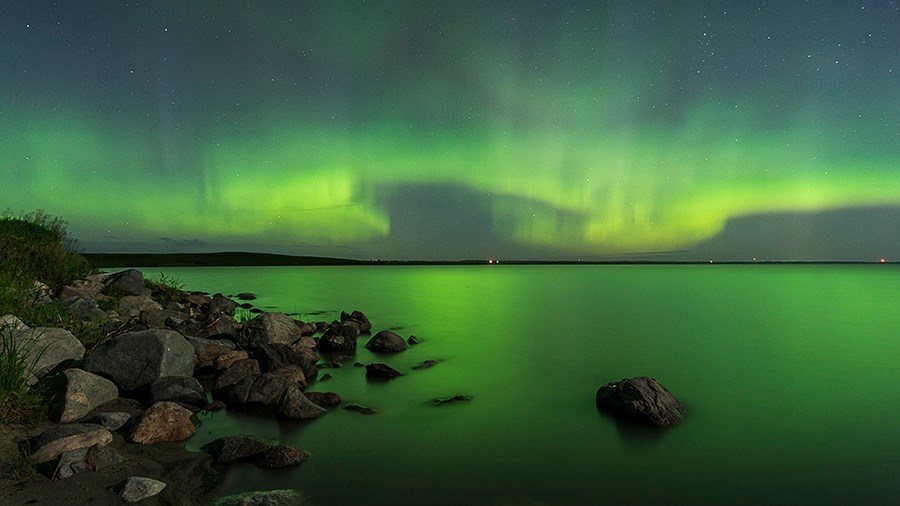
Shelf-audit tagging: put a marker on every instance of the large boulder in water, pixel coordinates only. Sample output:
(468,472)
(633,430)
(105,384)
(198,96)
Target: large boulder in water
(641,399)
(386,340)
(268,328)
(274,356)
(136,359)
(362,322)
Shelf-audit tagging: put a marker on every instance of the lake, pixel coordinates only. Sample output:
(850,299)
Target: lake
(788,372)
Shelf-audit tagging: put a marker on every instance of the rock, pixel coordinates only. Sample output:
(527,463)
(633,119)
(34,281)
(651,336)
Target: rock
(196,300)
(235,373)
(261,498)
(90,287)
(76,393)
(381,371)
(413,340)
(326,377)
(246,296)
(426,364)
(281,456)
(268,328)
(449,400)
(339,338)
(642,399)
(219,304)
(64,438)
(86,459)
(163,421)
(162,318)
(224,360)
(306,328)
(324,399)
(386,341)
(267,388)
(214,406)
(138,488)
(274,356)
(230,449)
(211,326)
(136,359)
(208,350)
(112,421)
(12,322)
(40,293)
(180,389)
(359,408)
(128,282)
(130,306)
(84,309)
(296,406)
(46,348)
(306,347)
(359,318)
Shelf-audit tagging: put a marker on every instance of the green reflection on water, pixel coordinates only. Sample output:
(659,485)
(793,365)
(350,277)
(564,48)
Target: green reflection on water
(788,373)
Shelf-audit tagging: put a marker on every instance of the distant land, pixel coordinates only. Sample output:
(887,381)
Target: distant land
(236,259)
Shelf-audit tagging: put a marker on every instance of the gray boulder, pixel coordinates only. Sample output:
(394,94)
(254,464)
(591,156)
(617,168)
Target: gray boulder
(274,356)
(84,309)
(12,322)
(386,341)
(296,406)
(640,399)
(234,374)
(180,389)
(76,393)
(46,348)
(55,441)
(136,359)
(162,318)
(112,420)
(128,282)
(137,488)
(268,328)
(208,350)
(231,449)
(131,306)
(86,459)
(265,389)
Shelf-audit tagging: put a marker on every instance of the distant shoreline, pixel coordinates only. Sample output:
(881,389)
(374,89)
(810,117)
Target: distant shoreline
(245,259)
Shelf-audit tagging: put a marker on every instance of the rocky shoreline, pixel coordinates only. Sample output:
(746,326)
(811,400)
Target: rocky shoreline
(121,410)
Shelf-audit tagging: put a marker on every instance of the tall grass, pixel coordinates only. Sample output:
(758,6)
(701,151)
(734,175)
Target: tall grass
(19,402)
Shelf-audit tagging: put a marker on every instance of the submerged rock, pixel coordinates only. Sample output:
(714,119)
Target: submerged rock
(359,408)
(230,449)
(281,456)
(381,371)
(449,400)
(426,364)
(641,399)
(324,398)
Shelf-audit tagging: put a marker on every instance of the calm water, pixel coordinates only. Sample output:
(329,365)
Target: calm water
(789,374)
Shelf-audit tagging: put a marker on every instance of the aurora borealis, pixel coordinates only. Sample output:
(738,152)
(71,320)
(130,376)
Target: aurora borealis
(465,129)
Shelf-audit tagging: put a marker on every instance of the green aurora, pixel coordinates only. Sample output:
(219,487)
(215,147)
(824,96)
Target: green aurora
(589,132)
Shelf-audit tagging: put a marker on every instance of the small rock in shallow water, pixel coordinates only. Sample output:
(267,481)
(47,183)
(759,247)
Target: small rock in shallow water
(359,408)
(413,340)
(281,456)
(381,371)
(426,364)
(324,398)
(450,400)
(261,498)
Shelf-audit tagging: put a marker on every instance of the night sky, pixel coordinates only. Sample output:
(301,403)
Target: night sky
(458,129)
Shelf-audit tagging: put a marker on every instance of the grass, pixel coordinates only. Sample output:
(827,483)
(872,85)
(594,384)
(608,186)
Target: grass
(165,288)
(19,402)
(34,248)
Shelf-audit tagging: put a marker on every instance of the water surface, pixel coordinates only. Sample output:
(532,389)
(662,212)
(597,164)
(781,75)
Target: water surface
(788,373)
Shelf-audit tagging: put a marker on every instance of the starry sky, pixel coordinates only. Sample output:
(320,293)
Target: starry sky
(414,129)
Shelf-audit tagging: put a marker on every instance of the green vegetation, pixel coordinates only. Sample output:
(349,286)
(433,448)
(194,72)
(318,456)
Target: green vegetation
(36,257)
(18,401)
(165,288)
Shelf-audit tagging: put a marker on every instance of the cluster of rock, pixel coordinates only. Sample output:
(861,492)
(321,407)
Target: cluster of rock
(173,361)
